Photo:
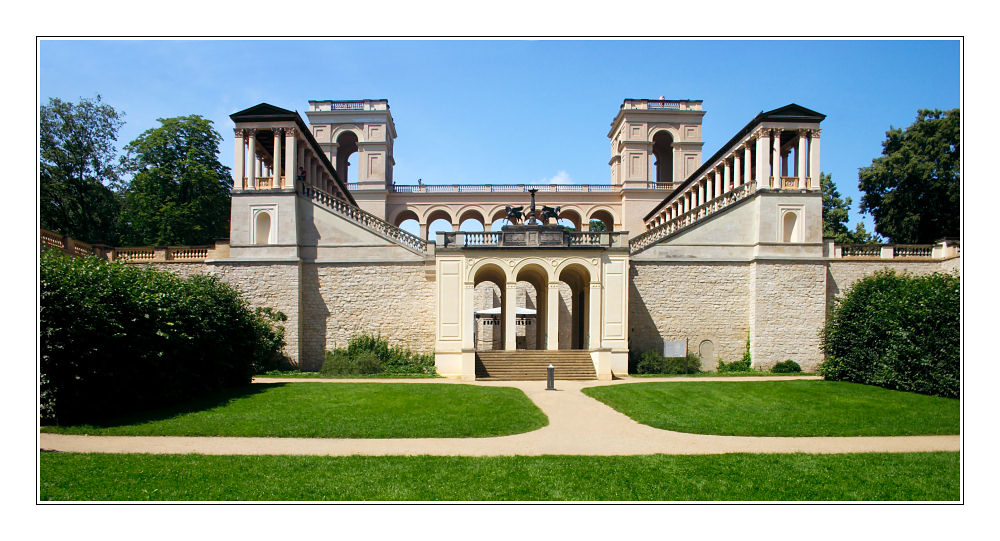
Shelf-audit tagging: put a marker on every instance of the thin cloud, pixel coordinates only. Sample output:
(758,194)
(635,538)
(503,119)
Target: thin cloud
(562,177)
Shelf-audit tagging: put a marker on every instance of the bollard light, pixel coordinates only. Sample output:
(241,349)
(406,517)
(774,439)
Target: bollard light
(551,377)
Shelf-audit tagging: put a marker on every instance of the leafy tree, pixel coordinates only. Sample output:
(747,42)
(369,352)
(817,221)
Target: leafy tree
(179,192)
(77,162)
(913,189)
(836,212)
(597,225)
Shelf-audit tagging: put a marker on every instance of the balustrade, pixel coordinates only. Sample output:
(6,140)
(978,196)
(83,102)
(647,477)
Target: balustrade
(187,253)
(692,216)
(912,250)
(506,188)
(363,218)
(134,254)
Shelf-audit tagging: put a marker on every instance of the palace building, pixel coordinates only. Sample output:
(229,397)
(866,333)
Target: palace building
(705,251)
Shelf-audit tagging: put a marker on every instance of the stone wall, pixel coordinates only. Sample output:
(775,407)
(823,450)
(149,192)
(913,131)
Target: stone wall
(844,272)
(342,300)
(698,302)
(789,309)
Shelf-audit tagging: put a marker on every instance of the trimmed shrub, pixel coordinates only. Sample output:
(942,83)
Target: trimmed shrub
(897,331)
(117,338)
(786,367)
(652,362)
(742,365)
(371,354)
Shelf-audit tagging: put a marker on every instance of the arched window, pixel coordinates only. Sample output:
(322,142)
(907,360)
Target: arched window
(663,150)
(347,144)
(263,228)
(789,225)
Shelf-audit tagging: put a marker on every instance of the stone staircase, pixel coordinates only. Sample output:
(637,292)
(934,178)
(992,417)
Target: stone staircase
(525,365)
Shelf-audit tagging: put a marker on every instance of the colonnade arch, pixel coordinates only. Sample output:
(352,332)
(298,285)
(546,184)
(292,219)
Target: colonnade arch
(492,217)
(553,311)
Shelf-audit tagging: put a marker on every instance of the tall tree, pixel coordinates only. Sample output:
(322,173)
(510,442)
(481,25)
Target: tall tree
(77,163)
(913,189)
(836,212)
(179,192)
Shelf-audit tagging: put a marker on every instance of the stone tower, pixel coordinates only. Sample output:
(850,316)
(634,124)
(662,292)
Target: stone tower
(357,136)
(655,145)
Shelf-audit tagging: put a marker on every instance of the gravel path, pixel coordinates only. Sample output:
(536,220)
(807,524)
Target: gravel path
(578,425)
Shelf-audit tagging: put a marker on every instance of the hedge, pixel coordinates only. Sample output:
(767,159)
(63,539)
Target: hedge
(117,338)
(897,331)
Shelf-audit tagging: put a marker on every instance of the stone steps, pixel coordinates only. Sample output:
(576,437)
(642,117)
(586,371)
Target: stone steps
(532,365)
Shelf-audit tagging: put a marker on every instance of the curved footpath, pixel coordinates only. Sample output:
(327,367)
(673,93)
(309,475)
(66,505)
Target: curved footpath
(578,425)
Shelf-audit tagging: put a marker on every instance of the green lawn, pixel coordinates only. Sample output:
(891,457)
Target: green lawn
(734,477)
(317,375)
(338,410)
(781,408)
(748,373)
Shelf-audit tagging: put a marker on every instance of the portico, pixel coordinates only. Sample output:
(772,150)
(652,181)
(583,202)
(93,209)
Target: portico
(593,265)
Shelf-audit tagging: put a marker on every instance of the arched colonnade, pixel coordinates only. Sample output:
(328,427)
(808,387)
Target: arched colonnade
(492,217)
(545,276)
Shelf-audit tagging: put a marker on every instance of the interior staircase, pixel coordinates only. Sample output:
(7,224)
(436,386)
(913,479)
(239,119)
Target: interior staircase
(527,365)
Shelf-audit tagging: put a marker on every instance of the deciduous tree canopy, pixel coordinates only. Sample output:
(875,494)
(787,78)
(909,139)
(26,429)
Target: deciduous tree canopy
(836,212)
(913,189)
(78,167)
(179,192)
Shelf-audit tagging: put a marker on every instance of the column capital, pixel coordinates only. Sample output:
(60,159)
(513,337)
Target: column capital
(511,285)
(239,132)
(290,132)
(554,285)
(815,132)
(802,132)
(276,131)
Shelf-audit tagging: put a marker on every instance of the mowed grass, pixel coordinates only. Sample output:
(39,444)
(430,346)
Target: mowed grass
(733,477)
(337,410)
(781,408)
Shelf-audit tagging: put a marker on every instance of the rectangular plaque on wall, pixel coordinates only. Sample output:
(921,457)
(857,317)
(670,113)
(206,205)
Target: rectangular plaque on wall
(675,348)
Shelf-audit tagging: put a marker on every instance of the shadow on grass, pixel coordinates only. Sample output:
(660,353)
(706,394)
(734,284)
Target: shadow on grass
(211,401)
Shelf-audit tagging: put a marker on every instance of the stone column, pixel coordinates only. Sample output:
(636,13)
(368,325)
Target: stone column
(814,159)
(747,164)
(291,164)
(456,227)
(594,309)
(252,144)
(800,157)
(423,230)
(776,158)
(725,176)
(552,315)
(510,317)
(239,158)
(469,316)
(762,150)
(701,193)
(276,176)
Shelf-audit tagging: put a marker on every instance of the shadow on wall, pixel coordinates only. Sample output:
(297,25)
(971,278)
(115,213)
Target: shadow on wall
(314,320)
(643,334)
(832,290)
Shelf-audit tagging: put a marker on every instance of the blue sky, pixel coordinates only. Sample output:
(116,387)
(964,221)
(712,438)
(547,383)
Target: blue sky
(520,111)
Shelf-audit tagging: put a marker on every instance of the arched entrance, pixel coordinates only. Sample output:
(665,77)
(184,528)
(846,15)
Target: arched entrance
(494,276)
(534,276)
(577,277)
